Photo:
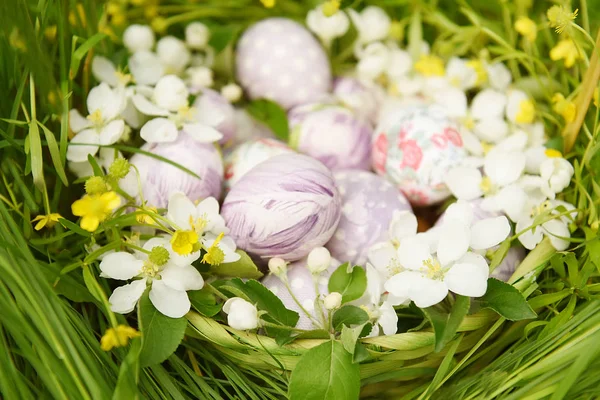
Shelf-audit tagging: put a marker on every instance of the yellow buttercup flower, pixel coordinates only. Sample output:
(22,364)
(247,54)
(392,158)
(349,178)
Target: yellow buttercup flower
(527,28)
(560,17)
(565,50)
(526,112)
(117,337)
(214,255)
(46,221)
(564,107)
(95,208)
(553,153)
(268,3)
(429,65)
(184,242)
(145,218)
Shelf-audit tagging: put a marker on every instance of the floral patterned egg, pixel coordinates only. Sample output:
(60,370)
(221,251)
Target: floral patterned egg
(332,134)
(368,204)
(280,60)
(413,147)
(303,287)
(213,102)
(247,155)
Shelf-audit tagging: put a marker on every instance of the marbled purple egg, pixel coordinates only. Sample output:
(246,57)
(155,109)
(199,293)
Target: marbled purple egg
(332,134)
(160,179)
(515,254)
(303,288)
(284,207)
(212,102)
(365,101)
(368,204)
(280,60)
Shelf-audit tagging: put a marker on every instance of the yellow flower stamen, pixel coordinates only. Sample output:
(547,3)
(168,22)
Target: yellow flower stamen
(552,153)
(567,109)
(526,112)
(560,17)
(538,210)
(434,269)
(565,50)
(145,218)
(95,208)
(184,242)
(123,78)
(117,337)
(47,221)
(480,70)
(214,255)
(468,122)
(527,28)
(486,185)
(268,3)
(330,7)
(486,147)
(95,117)
(429,65)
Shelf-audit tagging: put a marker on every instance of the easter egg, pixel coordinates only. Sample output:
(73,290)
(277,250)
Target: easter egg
(303,288)
(332,134)
(413,147)
(214,103)
(247,128)
(363,99)
(283,207)
(247,155)
(278,59)
(368,204)
(160,179)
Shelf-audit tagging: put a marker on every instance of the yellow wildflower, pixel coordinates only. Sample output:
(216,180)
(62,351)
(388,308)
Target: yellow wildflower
(564,107)
(79,17)
(565,49)
(527,28)
(553,153)
(429,65)
(95,208)
(184,242)
(46,221)
(526,112)
(268,3)
(560,17)
(50,32)
(117,337)
(329,8)
(144,218)
(214,255)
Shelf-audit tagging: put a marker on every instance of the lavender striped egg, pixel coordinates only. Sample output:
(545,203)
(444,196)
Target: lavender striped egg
(332,134)
(280,60)
(212,102)
(284,207)
(302,287)
(160,179)
(368,204)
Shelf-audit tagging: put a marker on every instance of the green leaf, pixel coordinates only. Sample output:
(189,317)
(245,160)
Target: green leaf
(506,300)
(350,282)
(54,153)
(81,51)
(97,170)
(499,254)
(350,336)
(74,227)
(325,372)
(243,268)
(161,335)
(272,115)
(221,36)
(348,316)
(127,383)
(204,302)
(445,324)
(444,367)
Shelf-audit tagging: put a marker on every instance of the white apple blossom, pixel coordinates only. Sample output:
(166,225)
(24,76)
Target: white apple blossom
(499,76)
(169,281)
(519,107)
(557,229)
(173,54)
(197,35)
(372,24)
(138,38)
(373,60)
(168,101)
(146,67)
(379,305)
(556,174)
(461,73)
(241,314)
(325,27)
(103,126)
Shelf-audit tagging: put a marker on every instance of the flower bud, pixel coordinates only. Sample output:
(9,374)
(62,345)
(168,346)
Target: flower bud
(170,93)
(232,92)
(199,78)
(173,54)
(95,185)
(119,168)
(332,301)
(196,35)
(160,180)
(331,134)
(284,207)
(241,314)
(327,22)
(138,38)
(318,260)
(372,24)
(277,266)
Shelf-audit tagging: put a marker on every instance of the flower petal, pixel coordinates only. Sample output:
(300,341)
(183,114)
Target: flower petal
(468,277)
(504,168)
(455,237)
(464,182)
(460,211)
(159,130)
(532,237)
(146,107)
(453,100)
(79,152)
(412,252)
(180,210)
(512,200)
(121,265)
(381,254)
(489,232)
(124,298)
(182,278)
(202,133)
(388,319)
(404,224)
(428,292)
(488,103)
(145,67)
(170,302)
(400,285)
(104,70)
(557,229)
(78,122)
(112,132)
(374,285)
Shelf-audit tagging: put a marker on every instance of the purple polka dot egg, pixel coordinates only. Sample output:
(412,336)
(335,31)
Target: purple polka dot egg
(278,59)
(332,134)
(368,205)
(413,147)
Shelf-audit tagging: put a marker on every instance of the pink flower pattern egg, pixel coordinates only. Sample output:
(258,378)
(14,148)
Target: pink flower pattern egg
(278,59)
(368,204)
(332,134)
(413,147)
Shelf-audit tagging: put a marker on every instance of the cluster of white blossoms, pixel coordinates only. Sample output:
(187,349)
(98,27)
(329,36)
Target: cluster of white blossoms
(151,94)
(164,262)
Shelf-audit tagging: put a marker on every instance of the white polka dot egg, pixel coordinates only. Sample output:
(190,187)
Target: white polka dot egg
(280,60)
